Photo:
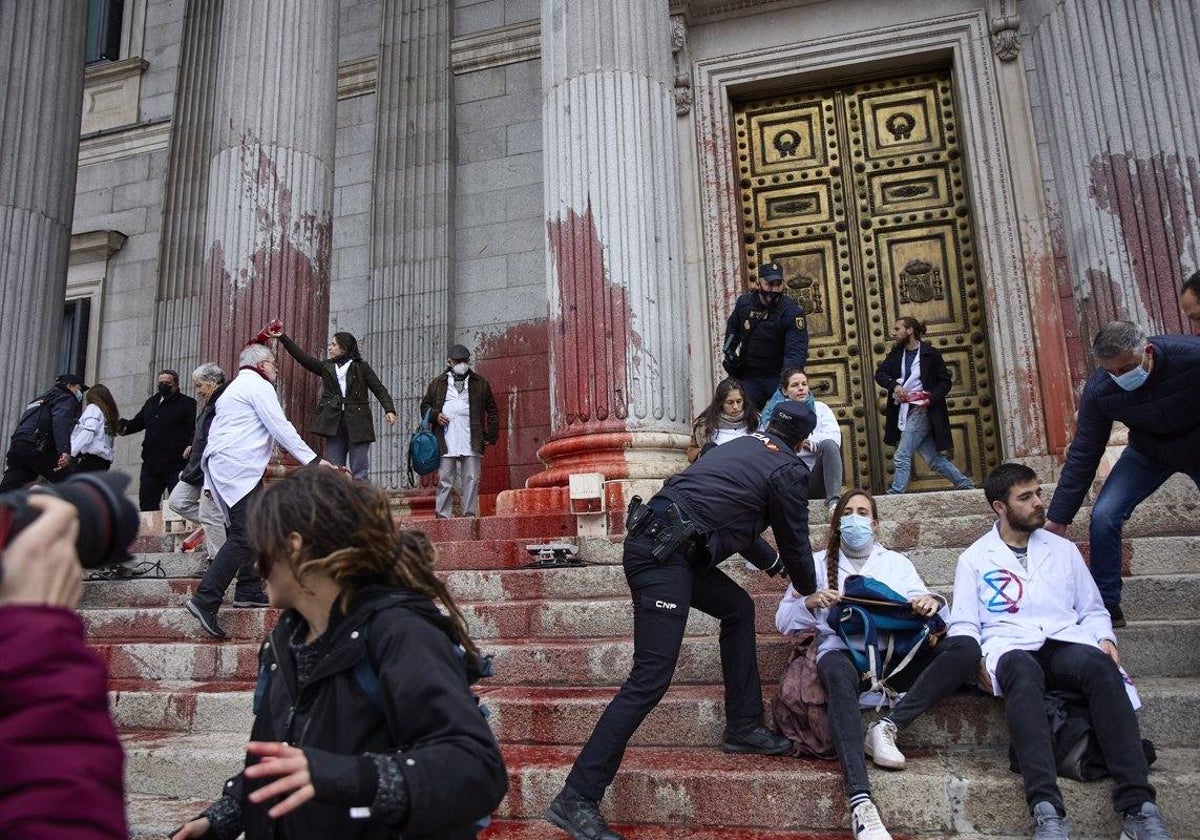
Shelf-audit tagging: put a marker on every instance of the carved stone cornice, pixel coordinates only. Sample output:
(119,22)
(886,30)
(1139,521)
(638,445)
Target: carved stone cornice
(95,245)
(357,77)
(1006,37)
(496,47)
(682,65)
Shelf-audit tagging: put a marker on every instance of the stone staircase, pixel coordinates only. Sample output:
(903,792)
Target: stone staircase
(561,643)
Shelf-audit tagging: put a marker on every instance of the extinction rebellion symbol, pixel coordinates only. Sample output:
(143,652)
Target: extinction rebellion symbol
(1006,591)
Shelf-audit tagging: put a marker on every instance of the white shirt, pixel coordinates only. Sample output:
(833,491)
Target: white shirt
(248,420)
(1004,607)
(827,428)
(457,407)
(721,436)
(89,437)
(889,567)
(341,371)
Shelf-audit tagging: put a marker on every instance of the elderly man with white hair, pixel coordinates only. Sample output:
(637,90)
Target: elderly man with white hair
(248,421)
(189,498)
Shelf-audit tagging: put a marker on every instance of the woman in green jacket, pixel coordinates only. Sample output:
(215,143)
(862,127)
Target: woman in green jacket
(343,415)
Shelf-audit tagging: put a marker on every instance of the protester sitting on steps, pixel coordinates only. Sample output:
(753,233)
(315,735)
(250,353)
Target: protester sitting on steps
(934,673)
(729,416)
(822,451)
(1026,596)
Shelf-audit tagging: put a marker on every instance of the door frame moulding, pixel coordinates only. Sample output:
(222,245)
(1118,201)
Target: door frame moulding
(966,40)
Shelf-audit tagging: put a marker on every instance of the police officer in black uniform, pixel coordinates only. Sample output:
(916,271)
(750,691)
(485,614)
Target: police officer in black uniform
(765,335)
(716,507)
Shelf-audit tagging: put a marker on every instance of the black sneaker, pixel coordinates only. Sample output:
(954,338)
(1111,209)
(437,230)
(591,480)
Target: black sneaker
(1114,612)
(579,817)
(756,739)
(257,599)
(207,620)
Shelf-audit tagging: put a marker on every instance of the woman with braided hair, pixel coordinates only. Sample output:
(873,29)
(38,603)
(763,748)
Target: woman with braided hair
(365,726)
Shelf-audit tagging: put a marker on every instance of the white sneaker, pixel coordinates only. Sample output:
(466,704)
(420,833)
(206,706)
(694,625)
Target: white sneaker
(866,824)
(880,744)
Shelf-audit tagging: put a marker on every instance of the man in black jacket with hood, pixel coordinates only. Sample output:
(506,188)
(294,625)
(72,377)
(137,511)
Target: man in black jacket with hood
(716,507)
(169,421)
(1153,387)
(41,443)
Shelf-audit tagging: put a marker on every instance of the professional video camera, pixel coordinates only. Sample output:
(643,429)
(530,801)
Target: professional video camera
(108,522)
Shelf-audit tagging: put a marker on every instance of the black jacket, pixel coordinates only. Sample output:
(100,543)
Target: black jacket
(935,379)
(169,424)
(49,431)
(192,474)
(451,762)
(778,335)
(1163,417)
(739,488)
(330,407)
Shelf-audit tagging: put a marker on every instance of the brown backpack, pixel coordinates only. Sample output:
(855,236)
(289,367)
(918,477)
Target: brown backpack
(800,705)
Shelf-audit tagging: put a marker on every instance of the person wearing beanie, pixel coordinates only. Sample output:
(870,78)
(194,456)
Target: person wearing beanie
(715,508)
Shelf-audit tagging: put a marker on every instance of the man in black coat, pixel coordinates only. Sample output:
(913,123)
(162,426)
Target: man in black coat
(1153,387)
(41,443)
(917,381)
(169,420)
(766,334)
(716,507)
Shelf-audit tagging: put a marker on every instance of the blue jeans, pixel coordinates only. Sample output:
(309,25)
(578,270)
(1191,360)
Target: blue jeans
(1133,478)
(917,437)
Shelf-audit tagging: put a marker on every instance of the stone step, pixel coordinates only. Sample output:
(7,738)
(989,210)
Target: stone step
(943,792)
(1148,649)
(501,527)
(689,716)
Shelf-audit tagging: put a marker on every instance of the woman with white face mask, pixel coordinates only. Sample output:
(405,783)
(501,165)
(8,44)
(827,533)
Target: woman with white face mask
(934,673)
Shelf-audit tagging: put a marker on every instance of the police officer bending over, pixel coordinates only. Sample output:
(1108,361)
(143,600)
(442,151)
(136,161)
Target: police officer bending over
(765,335)
(716,507)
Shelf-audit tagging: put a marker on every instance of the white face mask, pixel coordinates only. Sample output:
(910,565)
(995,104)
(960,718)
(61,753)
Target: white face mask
(460,368)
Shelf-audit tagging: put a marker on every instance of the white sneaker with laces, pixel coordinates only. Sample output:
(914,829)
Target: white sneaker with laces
(880,744)
(866,824)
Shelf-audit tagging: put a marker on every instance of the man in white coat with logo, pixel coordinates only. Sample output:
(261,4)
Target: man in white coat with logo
(1027,597)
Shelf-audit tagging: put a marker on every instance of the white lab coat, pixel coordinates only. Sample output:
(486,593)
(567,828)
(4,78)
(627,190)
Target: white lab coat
(90,437)
(890,567)
(248,419)
(457,407)
(1004,608)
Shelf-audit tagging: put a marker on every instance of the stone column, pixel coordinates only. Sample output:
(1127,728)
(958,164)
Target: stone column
(411,256)
(270,195)
(41,100)
(618,347)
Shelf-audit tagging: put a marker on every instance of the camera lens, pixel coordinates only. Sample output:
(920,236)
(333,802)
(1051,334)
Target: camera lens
(108,522)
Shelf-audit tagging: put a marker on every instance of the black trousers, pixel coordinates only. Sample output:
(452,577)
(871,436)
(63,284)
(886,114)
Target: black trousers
(25,465)
(155,480)
(1025,676)
(233,560)
(91,463)
(662,595)
(934,673)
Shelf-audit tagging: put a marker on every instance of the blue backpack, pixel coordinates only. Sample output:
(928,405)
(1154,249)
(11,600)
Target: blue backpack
(881,631)
(424,453)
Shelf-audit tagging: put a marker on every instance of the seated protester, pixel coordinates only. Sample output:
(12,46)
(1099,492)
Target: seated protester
(1026,596)
(934,673)
(730,415)
(823,449)
(365,726)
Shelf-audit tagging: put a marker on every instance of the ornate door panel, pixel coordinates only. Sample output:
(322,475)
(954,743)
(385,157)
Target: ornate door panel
(859,192)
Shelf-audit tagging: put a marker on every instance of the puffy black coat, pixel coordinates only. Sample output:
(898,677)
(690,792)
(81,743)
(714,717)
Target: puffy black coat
(192,474)
(935,379)
(169,424)
(331,405)
(1163,417)
(452,765)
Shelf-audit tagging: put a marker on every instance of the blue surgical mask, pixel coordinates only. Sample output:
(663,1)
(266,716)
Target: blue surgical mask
(1133,379)
(79,396)
(856,530)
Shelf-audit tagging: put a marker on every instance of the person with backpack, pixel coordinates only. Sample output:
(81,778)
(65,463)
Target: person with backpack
(1025,595)
(41,443)
(933,673)
(365,724)
(93,436)
(465,420)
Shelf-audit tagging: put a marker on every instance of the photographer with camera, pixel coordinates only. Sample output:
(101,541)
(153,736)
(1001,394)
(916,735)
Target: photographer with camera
(716,507)
(61,773)
(41,443)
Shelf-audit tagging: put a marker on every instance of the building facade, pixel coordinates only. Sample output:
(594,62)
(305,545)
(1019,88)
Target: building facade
(578,190)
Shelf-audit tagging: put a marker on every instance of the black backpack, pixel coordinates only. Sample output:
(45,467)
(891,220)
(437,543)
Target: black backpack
(35,426)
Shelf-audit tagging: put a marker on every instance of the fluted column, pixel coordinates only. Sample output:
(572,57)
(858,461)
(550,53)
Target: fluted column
(618,347)
(181,263)
(411,256)
(270,194)
(41,98)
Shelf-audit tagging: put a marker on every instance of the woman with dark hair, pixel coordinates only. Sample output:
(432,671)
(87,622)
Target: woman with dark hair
(343,415)
(365,725)
(730,415)
(92,437)
(934,673)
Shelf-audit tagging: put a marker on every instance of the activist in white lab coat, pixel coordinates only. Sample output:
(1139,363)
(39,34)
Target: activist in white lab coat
(934,673)
(1026,596)
(822,450)
(249,420)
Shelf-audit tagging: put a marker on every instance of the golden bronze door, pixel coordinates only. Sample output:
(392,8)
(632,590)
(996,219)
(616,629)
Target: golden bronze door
(860,192)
